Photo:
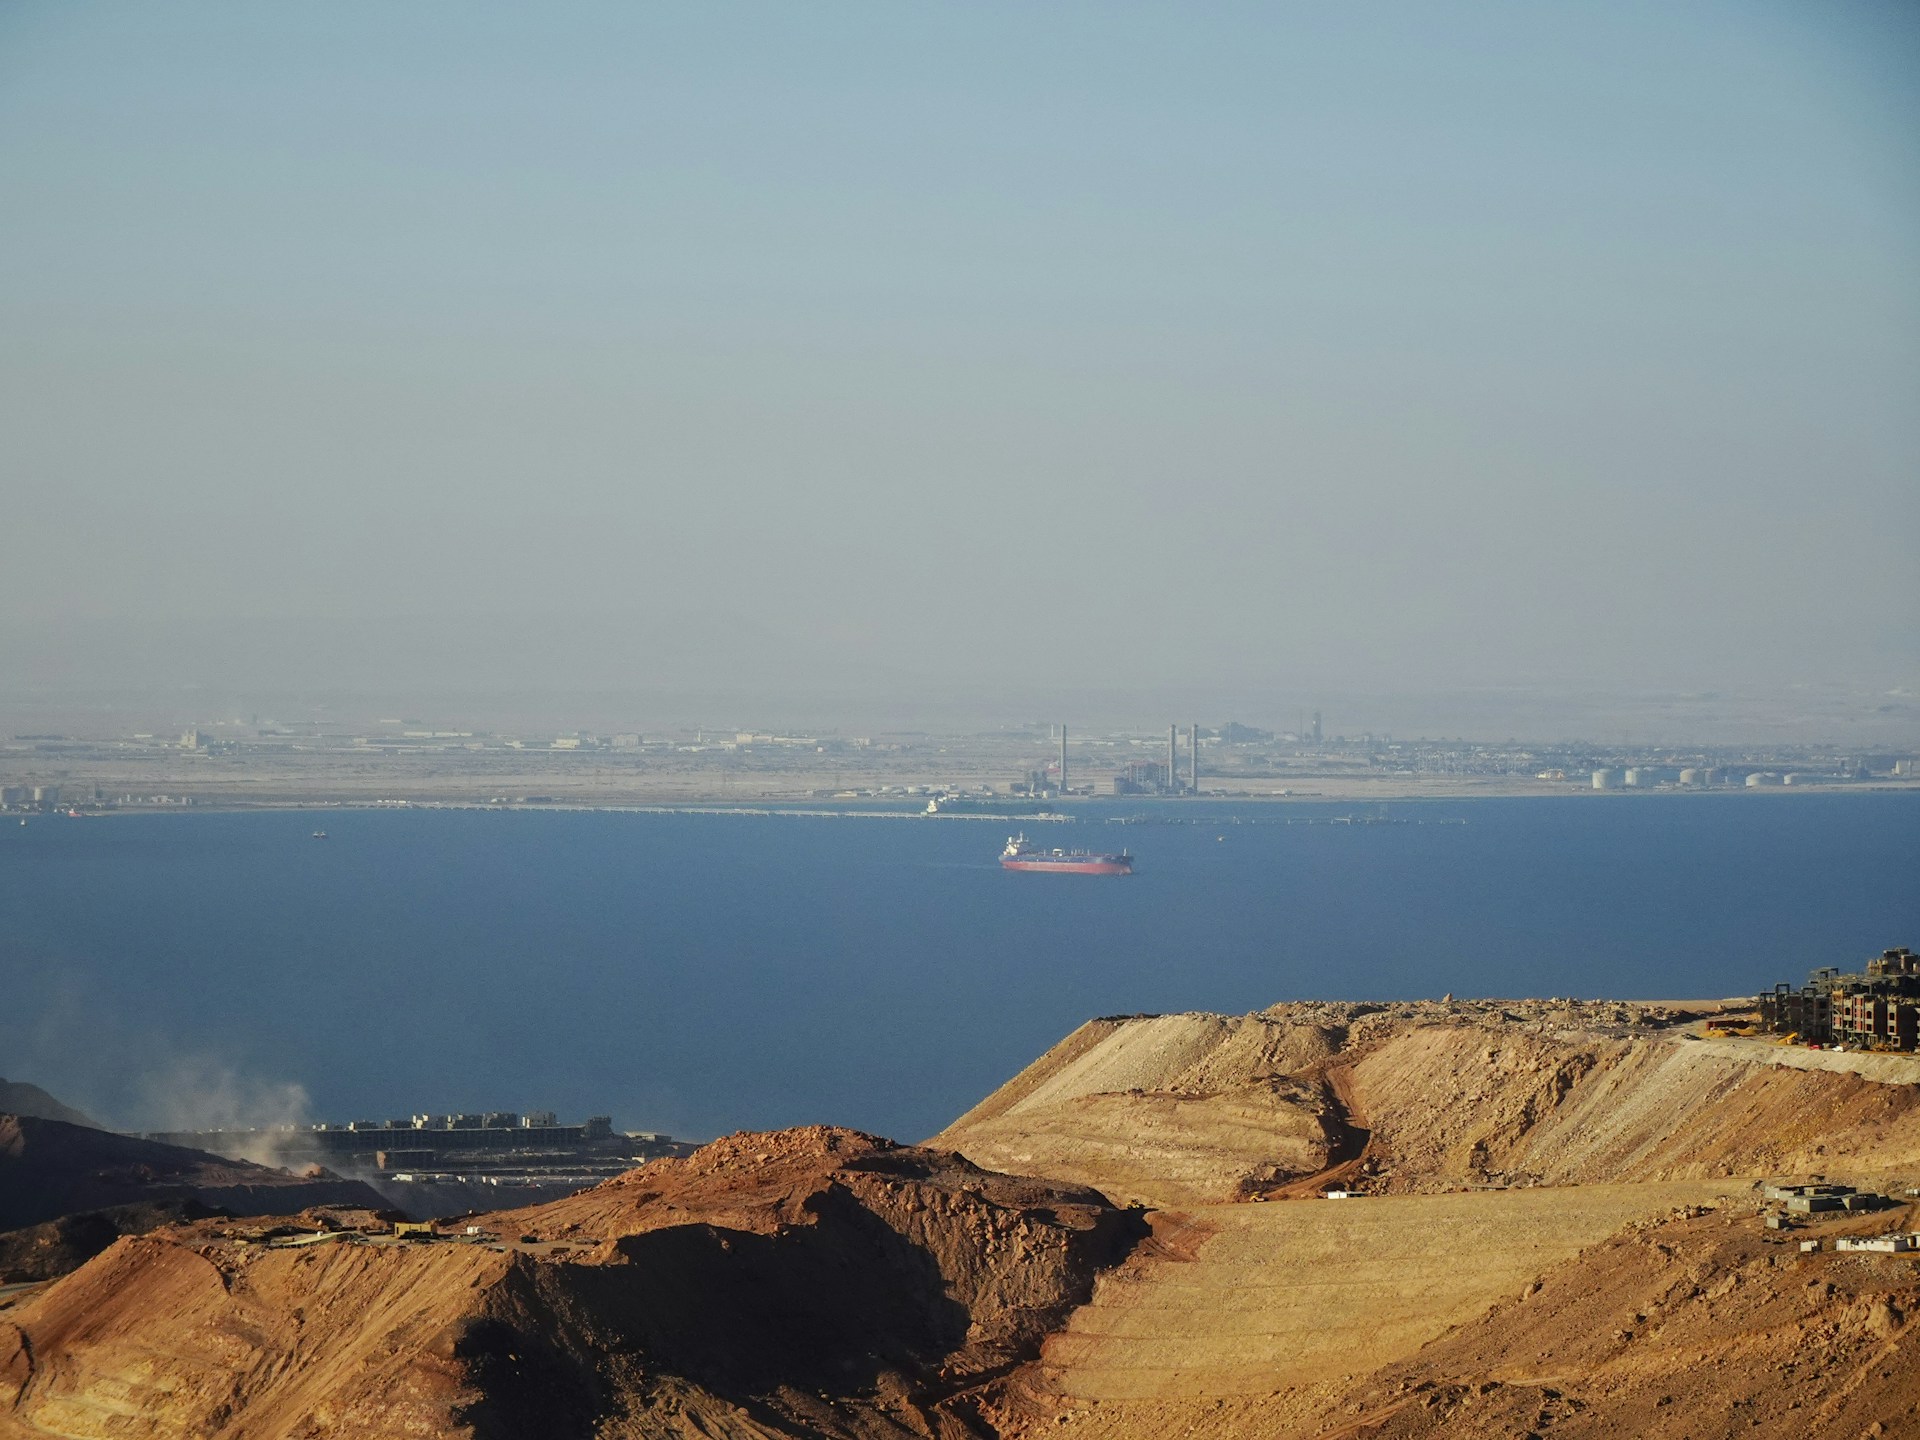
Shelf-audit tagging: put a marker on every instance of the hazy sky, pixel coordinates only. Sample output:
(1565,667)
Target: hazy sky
(1391,345)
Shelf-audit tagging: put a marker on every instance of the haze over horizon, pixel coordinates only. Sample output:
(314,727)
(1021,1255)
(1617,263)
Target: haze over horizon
(962,361)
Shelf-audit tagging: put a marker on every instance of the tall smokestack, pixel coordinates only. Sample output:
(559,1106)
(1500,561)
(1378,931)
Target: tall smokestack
(1063,759)
(1173,759)
(1193,775)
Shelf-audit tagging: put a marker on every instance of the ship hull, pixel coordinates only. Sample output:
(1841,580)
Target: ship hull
(1070,865)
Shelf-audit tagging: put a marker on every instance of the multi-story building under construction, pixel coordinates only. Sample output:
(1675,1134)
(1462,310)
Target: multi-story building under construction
(1877,1010)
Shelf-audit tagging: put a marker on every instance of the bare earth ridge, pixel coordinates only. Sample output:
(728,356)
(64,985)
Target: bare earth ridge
(1557,1233)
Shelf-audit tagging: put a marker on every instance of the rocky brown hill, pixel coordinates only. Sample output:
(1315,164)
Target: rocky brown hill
(811,1282)
(52,1248)
(1558,1231)
(1429,1096)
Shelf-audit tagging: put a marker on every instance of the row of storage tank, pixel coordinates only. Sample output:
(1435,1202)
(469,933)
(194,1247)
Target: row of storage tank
(1645,777)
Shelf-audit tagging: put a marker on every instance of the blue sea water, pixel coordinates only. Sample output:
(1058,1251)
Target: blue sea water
(700,973)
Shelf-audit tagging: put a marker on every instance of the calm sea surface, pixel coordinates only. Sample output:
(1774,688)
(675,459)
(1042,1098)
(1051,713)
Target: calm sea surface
(702,973)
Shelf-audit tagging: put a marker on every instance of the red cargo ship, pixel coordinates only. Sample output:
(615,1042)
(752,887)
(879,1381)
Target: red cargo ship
(1022,854)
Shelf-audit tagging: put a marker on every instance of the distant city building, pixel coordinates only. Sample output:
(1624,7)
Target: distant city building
(1234,733)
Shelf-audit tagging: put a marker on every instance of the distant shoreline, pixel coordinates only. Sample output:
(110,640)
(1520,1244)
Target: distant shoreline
(875,807)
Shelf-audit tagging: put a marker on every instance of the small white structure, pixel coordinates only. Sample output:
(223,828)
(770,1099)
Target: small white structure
(1893,1244)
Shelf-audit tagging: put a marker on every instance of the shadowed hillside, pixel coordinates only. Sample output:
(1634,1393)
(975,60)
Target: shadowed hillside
(814,1282)
(49,1169)
(19,1098)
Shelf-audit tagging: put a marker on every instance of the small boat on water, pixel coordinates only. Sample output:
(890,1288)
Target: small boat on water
(1022,854)
(319,834)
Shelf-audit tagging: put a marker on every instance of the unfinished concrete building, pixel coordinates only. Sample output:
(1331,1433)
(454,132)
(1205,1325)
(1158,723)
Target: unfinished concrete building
(1878,1009)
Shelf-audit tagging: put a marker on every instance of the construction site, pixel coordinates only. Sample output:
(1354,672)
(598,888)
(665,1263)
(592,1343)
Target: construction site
(1877,1008)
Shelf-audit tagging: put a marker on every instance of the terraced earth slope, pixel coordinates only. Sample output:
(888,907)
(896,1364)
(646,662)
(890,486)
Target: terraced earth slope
(1179,1110)
(1270,1296)
(1493,1276)
(1696,1324)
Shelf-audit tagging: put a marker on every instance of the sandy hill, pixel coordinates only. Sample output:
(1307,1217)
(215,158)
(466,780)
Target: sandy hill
(1558,1233)
(49,1168)
(1198,1109)
(813,1282)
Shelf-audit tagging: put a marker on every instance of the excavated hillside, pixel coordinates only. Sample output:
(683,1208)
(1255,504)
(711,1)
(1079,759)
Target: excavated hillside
(1699,1323)
(1552,1226)
(1694,1323)
(1169,1109)
(1180,1110)
(1558,1227)
(814,1282)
